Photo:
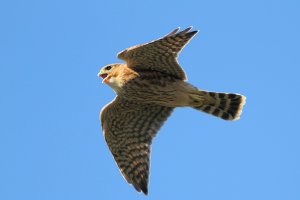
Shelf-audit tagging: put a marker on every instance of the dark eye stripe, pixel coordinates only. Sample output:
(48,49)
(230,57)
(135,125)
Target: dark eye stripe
(108,68)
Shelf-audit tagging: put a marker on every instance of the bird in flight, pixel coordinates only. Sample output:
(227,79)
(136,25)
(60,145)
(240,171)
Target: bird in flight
(149,86)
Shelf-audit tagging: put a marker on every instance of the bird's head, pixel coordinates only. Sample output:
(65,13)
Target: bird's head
(110,74)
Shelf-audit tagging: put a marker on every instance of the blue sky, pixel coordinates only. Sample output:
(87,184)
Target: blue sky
(51,144)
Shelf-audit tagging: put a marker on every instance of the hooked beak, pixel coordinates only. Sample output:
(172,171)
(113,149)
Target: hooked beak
(104,76)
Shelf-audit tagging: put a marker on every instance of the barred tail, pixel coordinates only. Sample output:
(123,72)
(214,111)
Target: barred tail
(227,106)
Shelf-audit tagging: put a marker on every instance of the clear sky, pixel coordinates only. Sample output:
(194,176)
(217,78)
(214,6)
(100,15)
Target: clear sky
(51,143)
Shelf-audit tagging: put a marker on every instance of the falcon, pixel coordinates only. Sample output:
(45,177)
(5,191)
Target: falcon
(148,87)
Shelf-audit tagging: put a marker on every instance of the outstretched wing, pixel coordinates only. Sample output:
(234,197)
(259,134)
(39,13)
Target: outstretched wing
(159,55)
(128,129)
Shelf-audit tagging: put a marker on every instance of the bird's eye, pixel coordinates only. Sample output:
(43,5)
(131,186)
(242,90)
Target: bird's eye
(108,68)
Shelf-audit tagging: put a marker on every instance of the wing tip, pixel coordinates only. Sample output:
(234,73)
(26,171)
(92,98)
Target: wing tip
(141,186)
(192,33)
(173,32)
(188,32)
(144,186)
(185,31)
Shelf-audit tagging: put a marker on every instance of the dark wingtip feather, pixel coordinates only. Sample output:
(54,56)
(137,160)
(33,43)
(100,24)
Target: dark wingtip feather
(144,187)
(141,186)
(137,188)
(186,32)
(187,29)
(173,32)
(145,191)
(192,33)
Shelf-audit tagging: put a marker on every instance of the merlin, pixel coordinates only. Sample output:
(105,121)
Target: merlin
(148,87)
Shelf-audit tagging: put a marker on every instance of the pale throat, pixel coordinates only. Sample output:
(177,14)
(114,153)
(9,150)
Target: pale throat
(115,84)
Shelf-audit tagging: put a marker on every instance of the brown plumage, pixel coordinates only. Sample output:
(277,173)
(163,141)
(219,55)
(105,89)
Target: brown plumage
(148,87)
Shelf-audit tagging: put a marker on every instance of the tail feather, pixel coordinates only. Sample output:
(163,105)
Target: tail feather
(227,106)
